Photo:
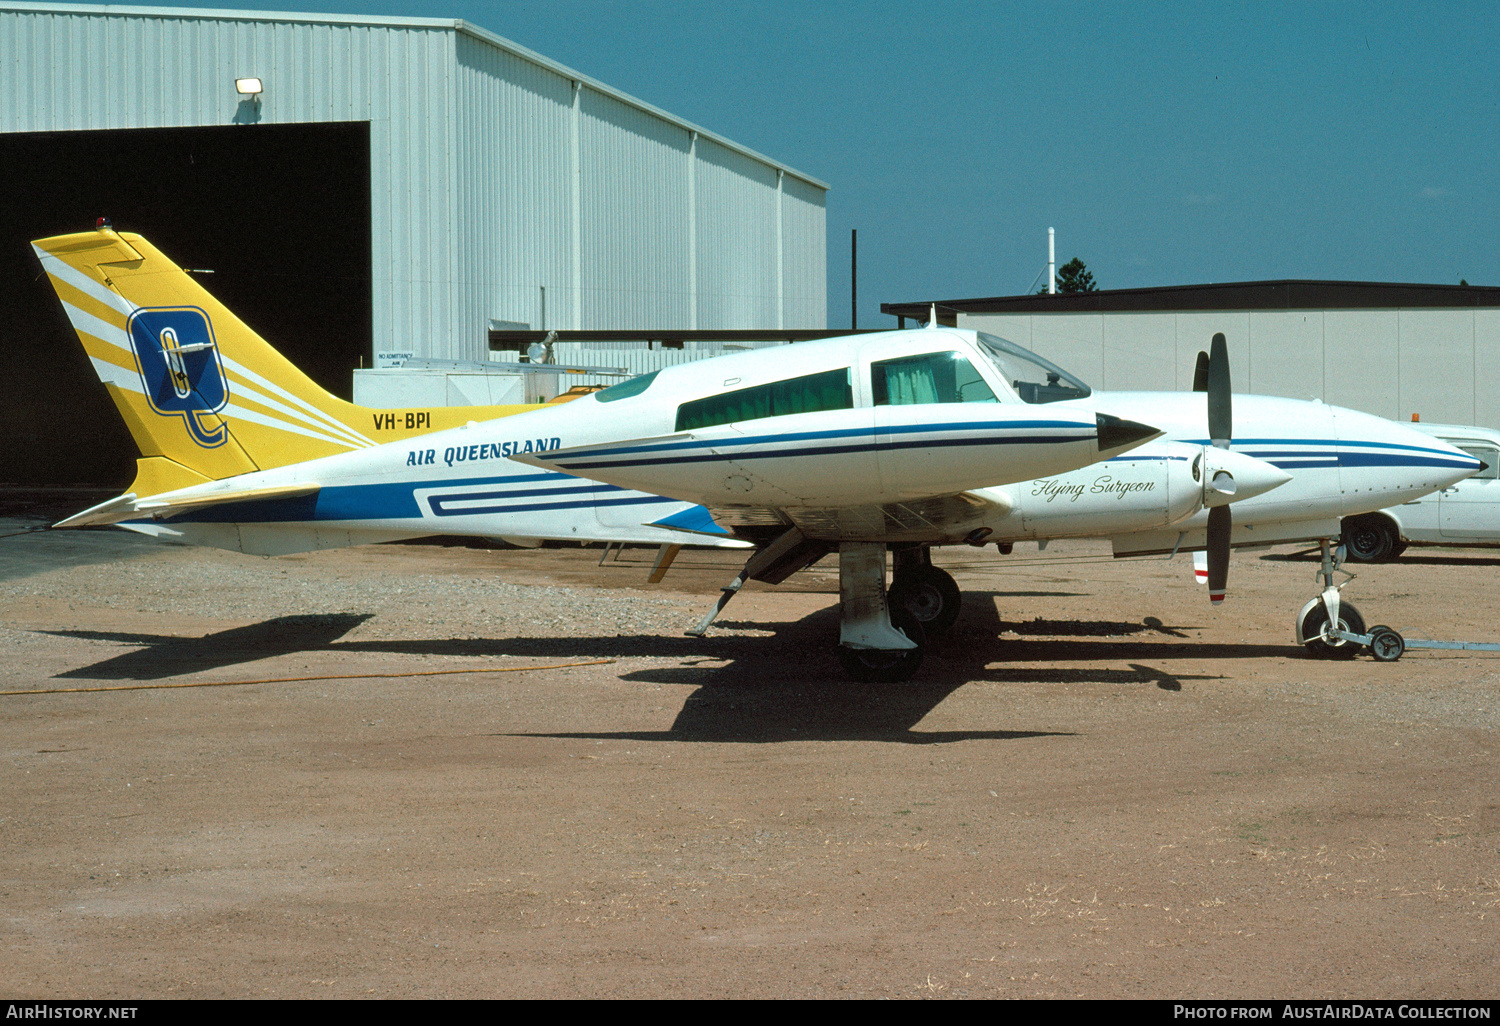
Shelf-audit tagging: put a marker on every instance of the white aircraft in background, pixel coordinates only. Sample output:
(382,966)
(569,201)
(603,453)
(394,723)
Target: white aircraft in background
(241,451)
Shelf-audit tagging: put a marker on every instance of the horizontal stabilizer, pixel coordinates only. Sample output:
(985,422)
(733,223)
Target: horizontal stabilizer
(164,507)
(104,513)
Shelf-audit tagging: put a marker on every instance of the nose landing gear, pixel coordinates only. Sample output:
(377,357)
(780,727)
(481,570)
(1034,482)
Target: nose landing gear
(1326,614)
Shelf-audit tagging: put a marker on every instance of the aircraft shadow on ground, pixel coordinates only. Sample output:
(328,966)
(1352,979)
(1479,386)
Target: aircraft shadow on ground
(750,688)
(164,655)
(791,688)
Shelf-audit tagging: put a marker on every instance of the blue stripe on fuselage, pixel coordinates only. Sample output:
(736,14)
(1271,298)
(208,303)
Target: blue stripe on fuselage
(645,500)
(1332,453)
(821,450)
(798,436)
(395,501)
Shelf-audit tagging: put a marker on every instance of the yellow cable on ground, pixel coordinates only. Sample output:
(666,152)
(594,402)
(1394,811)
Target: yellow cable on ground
(292,680)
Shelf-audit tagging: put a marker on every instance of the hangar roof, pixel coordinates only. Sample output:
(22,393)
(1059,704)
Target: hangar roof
(455,24)
(1284,294)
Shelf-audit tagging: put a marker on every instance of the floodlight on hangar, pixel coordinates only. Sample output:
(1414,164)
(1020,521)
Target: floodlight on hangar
(248,86)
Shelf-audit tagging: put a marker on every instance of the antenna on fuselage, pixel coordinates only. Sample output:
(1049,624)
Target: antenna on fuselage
(932,319)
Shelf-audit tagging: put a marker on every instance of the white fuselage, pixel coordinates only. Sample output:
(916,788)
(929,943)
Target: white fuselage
(803,427)
(793,426)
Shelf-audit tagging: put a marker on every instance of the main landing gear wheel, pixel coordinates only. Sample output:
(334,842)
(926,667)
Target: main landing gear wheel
(927,593)
(1385,644)
(1371,540)
(1320,647)
(883,666)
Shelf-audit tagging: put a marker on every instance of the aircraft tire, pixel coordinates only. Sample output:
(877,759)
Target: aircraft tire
(1312,630)
(882,666)
(929,594)
(1371,539)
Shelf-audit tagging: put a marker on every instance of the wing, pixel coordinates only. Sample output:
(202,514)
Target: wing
(941,517)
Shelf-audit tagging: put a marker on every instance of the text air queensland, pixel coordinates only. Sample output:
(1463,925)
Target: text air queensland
(488,451)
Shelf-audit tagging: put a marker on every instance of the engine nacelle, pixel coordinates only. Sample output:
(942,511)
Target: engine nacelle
(1153,487)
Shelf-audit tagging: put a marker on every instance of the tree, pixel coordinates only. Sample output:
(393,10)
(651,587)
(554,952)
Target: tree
(1073,276)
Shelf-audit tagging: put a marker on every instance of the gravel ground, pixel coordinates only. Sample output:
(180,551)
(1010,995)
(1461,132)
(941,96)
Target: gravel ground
(1098,786)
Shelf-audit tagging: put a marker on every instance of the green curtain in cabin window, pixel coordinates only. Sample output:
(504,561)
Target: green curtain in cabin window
(830,390)
(930,378)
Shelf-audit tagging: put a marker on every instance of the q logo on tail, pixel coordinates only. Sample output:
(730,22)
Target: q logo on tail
(180,368)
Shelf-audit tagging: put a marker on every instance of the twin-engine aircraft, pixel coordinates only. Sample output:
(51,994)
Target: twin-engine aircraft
(897,441)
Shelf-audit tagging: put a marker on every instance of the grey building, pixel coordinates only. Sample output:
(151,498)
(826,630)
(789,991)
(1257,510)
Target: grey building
(1393,350)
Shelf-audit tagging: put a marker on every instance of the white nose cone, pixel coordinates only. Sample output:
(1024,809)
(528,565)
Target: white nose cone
(1230,476)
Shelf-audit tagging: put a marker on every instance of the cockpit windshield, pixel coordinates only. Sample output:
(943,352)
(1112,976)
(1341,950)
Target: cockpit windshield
(1036,380)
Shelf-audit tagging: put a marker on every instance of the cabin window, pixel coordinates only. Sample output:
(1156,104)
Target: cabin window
(930,378)
(813,393)
(1035,380)
(626,389)
(1490,456)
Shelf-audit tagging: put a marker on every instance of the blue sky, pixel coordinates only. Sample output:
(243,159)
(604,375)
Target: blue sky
(1167,143)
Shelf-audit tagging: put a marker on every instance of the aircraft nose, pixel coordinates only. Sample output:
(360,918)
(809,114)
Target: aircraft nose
(1231,476)
(1118,433)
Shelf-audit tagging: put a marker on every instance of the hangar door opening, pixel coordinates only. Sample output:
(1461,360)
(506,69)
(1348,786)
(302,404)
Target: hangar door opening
(279,213)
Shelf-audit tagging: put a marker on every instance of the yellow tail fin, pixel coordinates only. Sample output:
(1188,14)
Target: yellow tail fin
(204,396)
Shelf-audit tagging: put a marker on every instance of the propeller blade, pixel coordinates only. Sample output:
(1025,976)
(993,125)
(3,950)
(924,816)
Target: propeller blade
(1200,373)
(1219,524)
(1200,567)
(1221,431)
(1220,407)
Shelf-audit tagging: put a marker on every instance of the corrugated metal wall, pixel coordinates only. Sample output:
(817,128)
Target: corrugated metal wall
(737,200)
(804,265)
(494,173)
(515,211)
(633,176)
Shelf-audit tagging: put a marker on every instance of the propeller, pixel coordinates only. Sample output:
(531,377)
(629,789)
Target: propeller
(1220,432)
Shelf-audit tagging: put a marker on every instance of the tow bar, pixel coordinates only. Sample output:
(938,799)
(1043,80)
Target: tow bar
(1387,645)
